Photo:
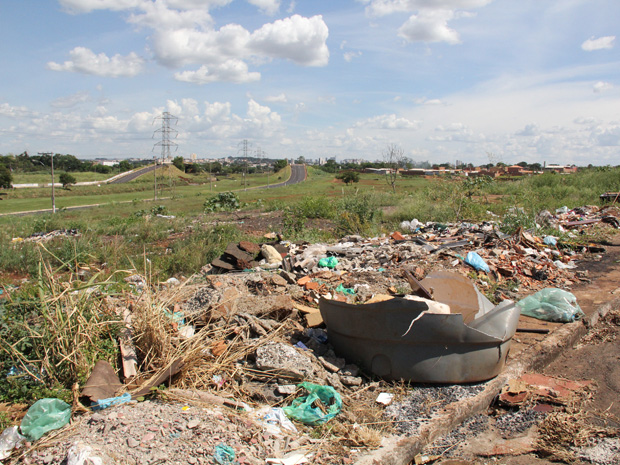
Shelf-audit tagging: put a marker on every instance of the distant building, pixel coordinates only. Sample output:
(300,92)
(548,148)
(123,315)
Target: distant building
(560,168)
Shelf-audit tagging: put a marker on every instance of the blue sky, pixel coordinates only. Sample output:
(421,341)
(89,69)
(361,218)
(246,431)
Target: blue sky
(473,80)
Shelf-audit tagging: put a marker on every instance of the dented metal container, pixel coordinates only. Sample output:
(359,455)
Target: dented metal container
(405,339)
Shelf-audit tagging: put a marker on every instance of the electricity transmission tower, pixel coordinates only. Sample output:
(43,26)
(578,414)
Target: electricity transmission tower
(245,146)
(167,133)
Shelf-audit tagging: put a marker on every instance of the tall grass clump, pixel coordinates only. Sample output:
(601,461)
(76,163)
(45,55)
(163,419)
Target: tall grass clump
(358,213)
(51,335)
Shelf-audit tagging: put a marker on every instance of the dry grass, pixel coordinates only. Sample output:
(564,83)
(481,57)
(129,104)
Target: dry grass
(573,427)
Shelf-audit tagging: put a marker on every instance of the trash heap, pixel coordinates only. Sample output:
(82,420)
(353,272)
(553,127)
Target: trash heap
(248,332)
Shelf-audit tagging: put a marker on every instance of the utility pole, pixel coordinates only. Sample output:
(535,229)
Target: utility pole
(167,133)
(155,179)
(53,191)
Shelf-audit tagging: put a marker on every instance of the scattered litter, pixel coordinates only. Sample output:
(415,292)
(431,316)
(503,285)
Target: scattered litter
(303,409)
(551,305)
(328,262)
(291,459)
(81,454)
(9,440)
(224,454)
(476,261)
(107,403)
(274,420)
(43,416)
(385,398)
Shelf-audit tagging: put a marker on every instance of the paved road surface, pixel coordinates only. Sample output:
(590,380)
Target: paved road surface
(298,174)
(134,174)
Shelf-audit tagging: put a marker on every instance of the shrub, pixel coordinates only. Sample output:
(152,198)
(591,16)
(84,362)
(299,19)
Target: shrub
(224,201)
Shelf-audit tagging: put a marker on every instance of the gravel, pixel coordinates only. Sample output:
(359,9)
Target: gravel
(424,402)
(153,432)
(605,452)
(513,424)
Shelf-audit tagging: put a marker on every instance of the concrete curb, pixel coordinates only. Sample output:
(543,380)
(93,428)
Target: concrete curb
(402,451)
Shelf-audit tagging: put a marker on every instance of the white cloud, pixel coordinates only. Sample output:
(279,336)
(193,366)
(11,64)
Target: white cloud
(14,112)
(386,7)
(269,7)
(607,137)
(602,87)
(230,71)
(348,56)
(85,6)
(389,122)
(71,100)
(276,98)
(429,23)
(429,26)
(184,34)
(529,130)
(83,60)
(299,39)
(426,101)
(601,43)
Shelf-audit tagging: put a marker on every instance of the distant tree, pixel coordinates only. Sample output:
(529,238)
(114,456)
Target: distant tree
(393,157)
(194,168)
(178,162)
(124,165)
(6,177)
(522,164)
(66,179)
(279,165)
(348,177)
(536,167)
(300,160)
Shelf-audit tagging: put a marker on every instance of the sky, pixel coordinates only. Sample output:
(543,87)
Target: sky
(472,80)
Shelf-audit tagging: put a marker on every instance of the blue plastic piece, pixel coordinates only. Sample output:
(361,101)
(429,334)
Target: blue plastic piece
(105,403)
(476,261)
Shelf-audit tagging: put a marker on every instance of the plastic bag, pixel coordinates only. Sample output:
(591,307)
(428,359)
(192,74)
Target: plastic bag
(329,262)
(550,240)
(302,410)
(275,420)
(345,290)
(551,305)
(224,454)
(9,440)
(476,261)
(45,415)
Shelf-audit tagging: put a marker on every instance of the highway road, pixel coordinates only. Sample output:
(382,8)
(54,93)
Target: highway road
(298,174)
(134,174)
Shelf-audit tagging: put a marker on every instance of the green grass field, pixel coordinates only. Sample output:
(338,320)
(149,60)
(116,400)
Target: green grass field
(40,177)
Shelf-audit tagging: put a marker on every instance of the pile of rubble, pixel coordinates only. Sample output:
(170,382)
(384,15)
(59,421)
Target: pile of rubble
(248,330)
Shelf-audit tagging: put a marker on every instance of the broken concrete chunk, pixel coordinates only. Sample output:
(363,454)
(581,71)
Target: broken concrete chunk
(284,360)
(350,380)
(277,280)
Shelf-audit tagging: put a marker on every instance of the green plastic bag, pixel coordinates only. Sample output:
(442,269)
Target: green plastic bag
(302,410)
(345,290)
(329,262)
(43,416)
(551,305)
